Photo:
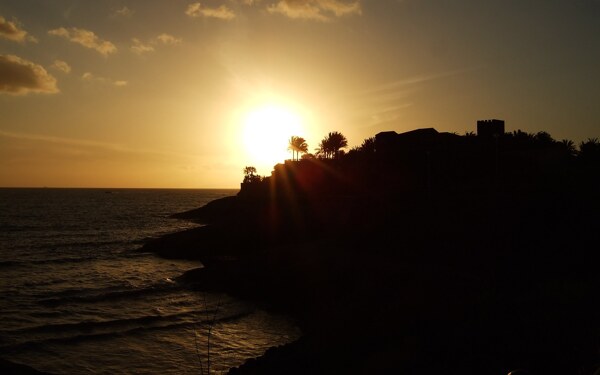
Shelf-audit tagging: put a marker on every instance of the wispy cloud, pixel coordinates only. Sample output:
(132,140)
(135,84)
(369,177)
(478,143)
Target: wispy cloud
(59,140)
(89,77)
(62,66)
(85,38)
(90,144)
(138,47)
(386,102)
(19,77)
(222,12)
(404,83)
(12,30)
(168,39)
(320,10)
(123,12)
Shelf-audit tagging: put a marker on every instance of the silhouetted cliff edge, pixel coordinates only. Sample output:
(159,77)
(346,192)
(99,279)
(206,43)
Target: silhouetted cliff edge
(449,256)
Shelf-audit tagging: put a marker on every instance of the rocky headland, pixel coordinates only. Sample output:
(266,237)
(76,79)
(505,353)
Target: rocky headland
(439,259)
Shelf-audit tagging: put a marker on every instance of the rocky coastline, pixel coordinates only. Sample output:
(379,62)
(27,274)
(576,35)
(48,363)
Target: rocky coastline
(473,276)
(362,305)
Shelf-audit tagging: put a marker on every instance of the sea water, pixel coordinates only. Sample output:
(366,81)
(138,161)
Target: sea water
(78,297)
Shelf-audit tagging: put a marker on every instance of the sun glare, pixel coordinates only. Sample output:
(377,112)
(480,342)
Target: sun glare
(266,134)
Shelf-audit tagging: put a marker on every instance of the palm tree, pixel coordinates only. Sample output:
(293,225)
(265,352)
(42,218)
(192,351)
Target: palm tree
(331,145)
(568,147)
(544,139)
(298,145)
(323,150)
(368,146)
(521,139)
(589,150)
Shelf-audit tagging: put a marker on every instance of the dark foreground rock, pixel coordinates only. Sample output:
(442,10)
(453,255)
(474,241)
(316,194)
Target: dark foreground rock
(212,212)
(11,368)
(453,283)
(362,315)
(426,253)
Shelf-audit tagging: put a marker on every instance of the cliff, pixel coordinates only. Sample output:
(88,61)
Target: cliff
(390,270)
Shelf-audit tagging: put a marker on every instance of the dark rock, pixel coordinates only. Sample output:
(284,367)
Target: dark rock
(11,368)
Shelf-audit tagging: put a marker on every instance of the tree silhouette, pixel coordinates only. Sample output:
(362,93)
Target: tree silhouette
(330,146)
(250,174)
(322,151)
(297,145)
(589,151)
(336,141)
(368,146)
(249,171)
(568,147)
(544,139)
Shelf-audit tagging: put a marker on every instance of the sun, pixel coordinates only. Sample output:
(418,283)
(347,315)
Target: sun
(266,134)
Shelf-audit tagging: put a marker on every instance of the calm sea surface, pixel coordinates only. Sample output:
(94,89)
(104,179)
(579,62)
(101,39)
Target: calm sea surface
(76,297)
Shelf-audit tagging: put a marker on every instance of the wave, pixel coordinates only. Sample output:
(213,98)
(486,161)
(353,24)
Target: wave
(9,263)
(78,258)
(90,326)
(125,252)
(20,228)
(56,245)
(106,294)
(106,330)
(64,260)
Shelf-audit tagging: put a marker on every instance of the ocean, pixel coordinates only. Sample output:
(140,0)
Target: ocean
(78,297)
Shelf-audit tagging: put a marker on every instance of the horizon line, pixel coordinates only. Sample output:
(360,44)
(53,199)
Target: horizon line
(118,188)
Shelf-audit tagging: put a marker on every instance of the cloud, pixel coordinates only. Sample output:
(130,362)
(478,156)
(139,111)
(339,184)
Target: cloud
(82,144)
(401,84)
(320,10)
(12,30)
(123,12)
(59,140)
(89,77)
(62,66)
(222,12)
(85,38)
(140,48)
(168,39)
(19,77)
(388,101)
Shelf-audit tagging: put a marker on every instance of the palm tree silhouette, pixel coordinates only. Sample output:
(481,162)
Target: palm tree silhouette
(568,147)
(368,146)
(323,150)
(297,145)
(331,145)
(589,151)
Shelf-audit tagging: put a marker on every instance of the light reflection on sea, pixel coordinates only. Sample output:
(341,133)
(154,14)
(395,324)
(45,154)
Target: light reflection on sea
(78,298)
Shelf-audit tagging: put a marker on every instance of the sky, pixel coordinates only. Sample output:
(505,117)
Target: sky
(185,94)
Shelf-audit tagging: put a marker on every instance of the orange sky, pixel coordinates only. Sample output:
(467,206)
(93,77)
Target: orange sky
(132,93)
